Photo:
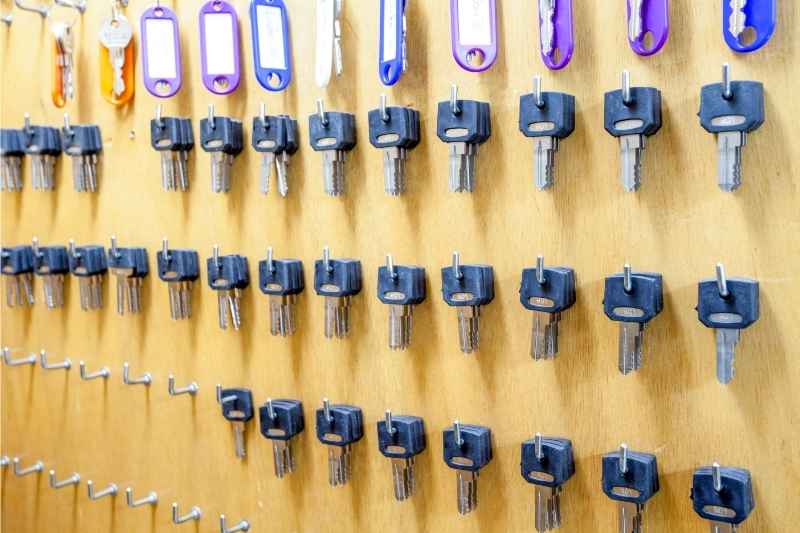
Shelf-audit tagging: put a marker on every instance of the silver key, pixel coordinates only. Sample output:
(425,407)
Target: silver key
(333,172)
(631,153)
(283,318)
(544,335)
(115,35)
(180,302)
(221,164)
(467,490)
(65,48)
(340,466)
(631,339)
(547,506)
(635,21)
(19,289)
(729,146)
(11,173)
(544,155)
(726,346)
(469,327)
(267,162)
(91,292)
(400,320)
(282,170)
(337,316)
(630,516)
(547,10)
(229,302)
(462,166)
(738,19)
(394,170)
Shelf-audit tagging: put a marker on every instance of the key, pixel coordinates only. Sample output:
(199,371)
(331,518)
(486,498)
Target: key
(334,134)
(328,56)
(737,19)
(174,139)
(275,137)
(556,33)
(12,150)
(395,130)
(83,143)
(51,263)
(392,57)
(180,268)
(339,427)
(401,438)
(547,292)
(728,306)
(630,478)
(282,280)
(468,288)
(228,275)
(632,114)
(43,145)
(748,25)
(723,495)
(633,299)
(281,422)
(547,463)
(401,288)
(88,264)
(237,408)
(730,110)
(130,267)
(116,36)
(338,280)
(547,117)
(222,137)
(463,125)
(17,268)
(467,449)
(63,48)
(648,25)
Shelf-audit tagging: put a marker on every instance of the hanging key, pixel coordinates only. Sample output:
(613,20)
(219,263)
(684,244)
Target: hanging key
(723,495)
(228,275)
(468,288)
(281,422)
(282,280)
(223,138)
(463,125)
(730,110)
(633,299)
(648,25)
(63,64)
(748,24)
(728,305)
(401,288)
(174,139)
(556,33)
(630,478)
(547,117)
(116,58)
(547,292)
(130,267)
(339,427)
(395,130)
(467,449)
(275,137)
(43,145)
(392,57)
(17,268)
(51,264)
(12,150)
(547,463)
(180,268)
(401,438)
(237,408)
(632,114)
(338,280)
(334,134)
(83,143)
(88,264)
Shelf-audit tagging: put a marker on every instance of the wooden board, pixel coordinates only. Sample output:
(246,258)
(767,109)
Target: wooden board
(679,224)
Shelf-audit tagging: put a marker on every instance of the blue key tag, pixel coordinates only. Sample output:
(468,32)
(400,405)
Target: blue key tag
(271,44)
(392,41)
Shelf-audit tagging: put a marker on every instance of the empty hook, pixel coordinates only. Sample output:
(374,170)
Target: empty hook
(244,525)
(194,514)
(36,467)
(144,379)
(191,388)
(150,499)
(74,479)
(41,10)
(111,490)
(30,360)
(66,364)
(86,376)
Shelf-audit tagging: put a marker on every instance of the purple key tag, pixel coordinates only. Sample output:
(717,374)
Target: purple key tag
(473,32)
(556,32)
(750,27)
(392,41)
(219,47)
(272,55)
(161,51)
(648,25)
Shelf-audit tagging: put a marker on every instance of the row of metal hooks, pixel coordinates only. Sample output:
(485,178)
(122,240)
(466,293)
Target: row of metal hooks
(43,9)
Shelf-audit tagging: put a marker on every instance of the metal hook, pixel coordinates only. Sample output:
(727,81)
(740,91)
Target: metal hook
(537,91)
(270,262)
(537,446)
(727,91)
(102,373)
(191,388)
(72,251)
(626,88)
(114,250)
(150,499)
(716,476)
(26,120)
(211,119)
(326,410)
(111,490)
(244,525)
(389,425)
(271,410)
(66,364)
(326,259)
(262,113)
(67,127)
(226,399)
(390,266)
(323,117)
(457,433)
(74,479)
(42,10)
(454,107)
(159,121)
(623,458)
(457,266)
(35,246)
(36,467)
(78,6)
(165,249)
(722,281)
(144,379)
(30,360)
(540,270)
(215,254)
(8,18)
(627,282)
(384,113)
(194,514)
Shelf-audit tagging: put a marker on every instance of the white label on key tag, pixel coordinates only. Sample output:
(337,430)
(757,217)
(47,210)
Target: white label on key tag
(324,60)
(474,23)
(271,53)
(219,44)
(389,30)
(161,54)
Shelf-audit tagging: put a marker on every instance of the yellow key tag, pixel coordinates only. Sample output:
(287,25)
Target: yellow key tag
(116,60)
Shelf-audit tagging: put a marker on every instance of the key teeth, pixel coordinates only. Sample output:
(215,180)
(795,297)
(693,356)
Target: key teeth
(469,328)
(339,465)
(467,491)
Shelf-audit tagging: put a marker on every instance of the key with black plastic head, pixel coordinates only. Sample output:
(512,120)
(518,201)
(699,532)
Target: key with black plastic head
(723,495)
(83,143)
(51,263)
(631,479)
(43,145)
(401,438)
(223,138)
(228,275)
(88,264)
(130,267)
(632,114)
(395,130)
(400,287)
(547,117)
(339,427)
(468,288)
(728,306)
(282,421)
(237,408)
(281,280)
(17,268)
(180,269)
(547,463)
(467,449)
(730,110)
(275,137)
(463,125)
(12,151)
(338,280)
(173,138)
(633,299)
(547,292)
(334,134)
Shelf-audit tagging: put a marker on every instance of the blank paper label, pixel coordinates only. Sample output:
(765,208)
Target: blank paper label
(271,53)
(161,53)
(474,23)
(389,30)
(219,44)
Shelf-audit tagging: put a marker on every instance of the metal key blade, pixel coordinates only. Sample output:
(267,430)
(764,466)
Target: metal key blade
(721,527)
(458,166)
(339,467)
(403,478)
(467,491)
(635,22)
(282,168)
(630,346)
(738,19)
(238,436)
(544,149)
(469,328)
(726,345)
(631,153)
(284,459)
(547,10)
(544,335)
(729,146)
(630,517)
(394,170)
(399,326)
(265,173)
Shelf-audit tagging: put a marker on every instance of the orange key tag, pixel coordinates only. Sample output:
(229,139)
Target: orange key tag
(116,59)
(63,64)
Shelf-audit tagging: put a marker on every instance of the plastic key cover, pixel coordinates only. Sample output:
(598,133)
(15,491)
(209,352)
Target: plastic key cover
(473,33)
(391,42)
(761,17)
(406,288)
(474,453)
(133,258)
(240,409)
(563,42)
(397,131)
(476,286)
(272,56)
(182,265)
(739,310)
(288,421)
(744,111)
(88,260)
(17,259)
(219,47)
(556,118)
(731,505)
(345,428)
(555,467)
(286,278)
(231,273)
(343,279)
(338,134)
(465,126)
(51,260)
(269,134)
(161,51)
(555,295)
(655,27)
(645,107)
(640,482)
(407,440)
(642,304)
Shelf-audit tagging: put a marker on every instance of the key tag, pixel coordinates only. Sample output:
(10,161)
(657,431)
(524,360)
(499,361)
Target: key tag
(329,41)
(473,33)
(116,59)
(219,47)
(271,45)
(556,33)
(648,25)
(392,60)
(161,51)
(748,24)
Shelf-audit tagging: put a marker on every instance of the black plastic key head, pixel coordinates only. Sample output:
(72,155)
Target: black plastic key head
(81,139)
(41,140)
(290,125)
(554,295)
(88,260)
(132,259)
(554,118)
(340,425)
(468,285)
(404,285)
(743,111)
(470,450)
(340,277)
(336,131)
(471,124)
(17,260)
(166,134)
(633,480)
(222,134)
(551,466)
(228,272)
(178,265)
(281,419)
(738,310)
(11,142)
(397,127)
(729,502)
(641,303)
(187,134)
(405,438)
(269,134)
(50,260)
(237,404)
(640,116)
(281,276)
